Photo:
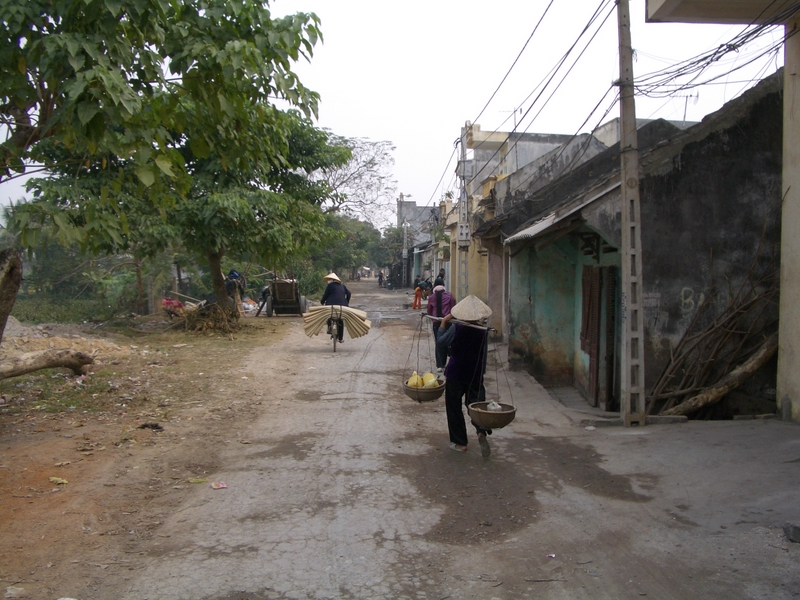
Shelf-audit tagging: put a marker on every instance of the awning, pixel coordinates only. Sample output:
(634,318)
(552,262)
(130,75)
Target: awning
(533,230)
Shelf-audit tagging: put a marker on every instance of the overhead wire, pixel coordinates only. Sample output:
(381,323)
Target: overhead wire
(552,74)
(554,70)
(651,85)
(450,160)
(540,173)
(535,29)
(511,68)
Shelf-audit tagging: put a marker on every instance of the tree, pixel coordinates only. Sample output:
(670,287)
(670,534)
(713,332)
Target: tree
(90,84)
(104,78)
(266,210)
(390,248)
(363,187)
(347,248)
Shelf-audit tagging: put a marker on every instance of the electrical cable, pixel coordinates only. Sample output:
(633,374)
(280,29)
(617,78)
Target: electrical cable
(553,160)
(554,72)
(450,160)
(515,61)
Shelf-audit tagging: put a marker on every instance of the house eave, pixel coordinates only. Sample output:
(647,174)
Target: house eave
(555,217)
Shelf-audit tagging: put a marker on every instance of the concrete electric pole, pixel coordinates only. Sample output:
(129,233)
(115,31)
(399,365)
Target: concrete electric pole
(632,390)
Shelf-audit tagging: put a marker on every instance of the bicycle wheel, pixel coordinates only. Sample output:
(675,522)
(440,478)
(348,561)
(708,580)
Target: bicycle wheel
(335,336)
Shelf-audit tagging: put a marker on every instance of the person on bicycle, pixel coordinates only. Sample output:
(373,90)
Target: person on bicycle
(336,294)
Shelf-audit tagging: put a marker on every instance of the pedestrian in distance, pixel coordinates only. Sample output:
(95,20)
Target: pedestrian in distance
(439,278)
(440,303)
(336,294)
(465,370)
(417,294)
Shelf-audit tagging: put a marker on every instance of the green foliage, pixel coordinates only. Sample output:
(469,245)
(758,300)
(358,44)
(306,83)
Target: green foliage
(102,78)
(346,247)
(52,309)
(389,248)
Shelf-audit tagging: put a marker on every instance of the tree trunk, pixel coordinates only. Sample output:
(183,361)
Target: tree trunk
(731,381)
(141,301)
(218,283)
(10,280)
(45,359)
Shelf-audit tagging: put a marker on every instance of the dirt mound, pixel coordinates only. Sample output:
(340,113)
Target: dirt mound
(19,338)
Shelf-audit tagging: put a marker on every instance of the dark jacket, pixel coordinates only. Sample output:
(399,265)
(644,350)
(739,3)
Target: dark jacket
(468,352)
(336,294)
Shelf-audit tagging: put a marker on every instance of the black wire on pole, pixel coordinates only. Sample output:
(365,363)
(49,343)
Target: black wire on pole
(553,73)
(530,37)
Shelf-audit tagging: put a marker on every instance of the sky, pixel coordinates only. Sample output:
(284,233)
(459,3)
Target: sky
(413,72)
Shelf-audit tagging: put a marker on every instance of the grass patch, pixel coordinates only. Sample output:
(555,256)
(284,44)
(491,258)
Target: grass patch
(62,310)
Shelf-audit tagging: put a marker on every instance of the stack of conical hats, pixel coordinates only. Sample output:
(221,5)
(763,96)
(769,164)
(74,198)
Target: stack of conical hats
(355,321)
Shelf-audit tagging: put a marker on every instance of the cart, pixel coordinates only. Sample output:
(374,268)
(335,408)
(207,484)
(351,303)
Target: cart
(282,297)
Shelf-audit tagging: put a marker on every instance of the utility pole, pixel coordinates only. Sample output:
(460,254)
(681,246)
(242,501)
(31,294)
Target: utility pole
(463,240)
(405,253)
(632,390)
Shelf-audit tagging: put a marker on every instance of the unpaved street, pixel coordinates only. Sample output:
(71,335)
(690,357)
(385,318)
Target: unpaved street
(340,486)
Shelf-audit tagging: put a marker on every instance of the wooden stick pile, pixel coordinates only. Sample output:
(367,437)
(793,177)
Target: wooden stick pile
(355,321)
(711,360)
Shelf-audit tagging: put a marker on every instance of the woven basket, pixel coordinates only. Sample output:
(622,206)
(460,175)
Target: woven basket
(491,419)
(424,394)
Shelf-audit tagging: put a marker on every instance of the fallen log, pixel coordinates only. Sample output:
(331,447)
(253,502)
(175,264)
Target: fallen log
(731,381)
(45,359)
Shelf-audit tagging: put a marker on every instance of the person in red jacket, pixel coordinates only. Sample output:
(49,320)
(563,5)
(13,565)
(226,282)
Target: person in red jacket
(417,297)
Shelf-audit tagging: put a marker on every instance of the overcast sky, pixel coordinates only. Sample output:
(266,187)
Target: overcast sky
(414,72)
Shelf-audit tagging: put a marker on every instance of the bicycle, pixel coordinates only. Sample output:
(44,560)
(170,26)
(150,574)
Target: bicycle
(334,324)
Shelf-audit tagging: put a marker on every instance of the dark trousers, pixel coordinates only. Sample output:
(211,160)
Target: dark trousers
(441,353)
(340,323)
(453,393)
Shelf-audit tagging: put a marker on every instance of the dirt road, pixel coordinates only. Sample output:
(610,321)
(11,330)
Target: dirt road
(339,486)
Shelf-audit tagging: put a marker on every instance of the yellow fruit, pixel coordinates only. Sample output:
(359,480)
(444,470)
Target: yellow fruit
(432,383)
(415,381)
(428,377)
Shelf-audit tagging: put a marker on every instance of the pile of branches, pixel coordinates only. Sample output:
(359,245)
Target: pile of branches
(210,317)
(712,359)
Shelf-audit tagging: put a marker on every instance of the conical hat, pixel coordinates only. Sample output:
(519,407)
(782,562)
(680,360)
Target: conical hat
(331,277)
(471,308)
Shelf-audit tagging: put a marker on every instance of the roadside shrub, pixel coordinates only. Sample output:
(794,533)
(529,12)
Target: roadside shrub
(41,309)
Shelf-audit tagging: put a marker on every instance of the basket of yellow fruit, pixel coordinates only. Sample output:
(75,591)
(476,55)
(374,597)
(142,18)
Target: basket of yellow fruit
(426,388)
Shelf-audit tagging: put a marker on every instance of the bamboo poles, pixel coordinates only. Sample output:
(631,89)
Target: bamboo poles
(355,321)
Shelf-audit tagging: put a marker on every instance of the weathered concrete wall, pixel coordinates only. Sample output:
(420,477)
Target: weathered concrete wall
(542,305)
(703,215)
(540,172)
(525,148)
(494,292)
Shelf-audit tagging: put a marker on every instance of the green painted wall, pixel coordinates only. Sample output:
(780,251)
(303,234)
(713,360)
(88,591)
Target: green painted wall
(542,313)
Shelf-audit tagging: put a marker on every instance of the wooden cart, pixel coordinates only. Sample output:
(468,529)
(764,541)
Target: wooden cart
(282,297)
